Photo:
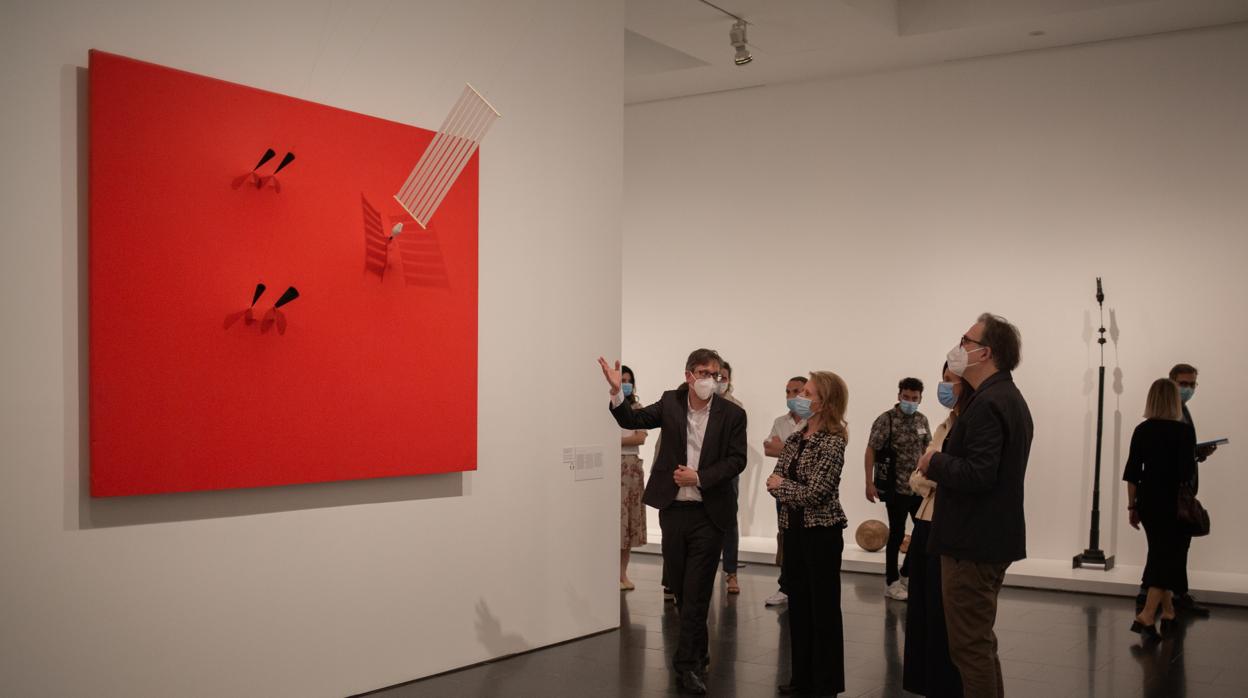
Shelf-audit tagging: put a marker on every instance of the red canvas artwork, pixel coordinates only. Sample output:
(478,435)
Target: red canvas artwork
(357,358)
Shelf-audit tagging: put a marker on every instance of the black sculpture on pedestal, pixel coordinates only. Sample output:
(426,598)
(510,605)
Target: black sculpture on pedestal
(1094,556)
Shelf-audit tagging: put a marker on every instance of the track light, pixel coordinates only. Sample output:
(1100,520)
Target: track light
(737,37)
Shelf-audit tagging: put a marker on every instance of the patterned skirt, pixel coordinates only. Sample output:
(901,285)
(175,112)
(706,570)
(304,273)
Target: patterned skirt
(632,511)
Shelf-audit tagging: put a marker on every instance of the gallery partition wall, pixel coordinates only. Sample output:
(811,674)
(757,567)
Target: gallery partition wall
(323,588)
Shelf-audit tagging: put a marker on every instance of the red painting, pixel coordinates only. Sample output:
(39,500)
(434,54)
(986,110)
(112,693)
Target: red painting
(255,320)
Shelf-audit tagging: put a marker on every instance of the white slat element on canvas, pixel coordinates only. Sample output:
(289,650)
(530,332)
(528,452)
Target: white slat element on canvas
(448,152)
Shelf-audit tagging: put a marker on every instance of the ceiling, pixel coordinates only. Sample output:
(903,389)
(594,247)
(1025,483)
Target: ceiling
(676,48)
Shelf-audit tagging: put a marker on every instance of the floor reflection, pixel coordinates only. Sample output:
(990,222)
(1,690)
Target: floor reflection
(1051,644)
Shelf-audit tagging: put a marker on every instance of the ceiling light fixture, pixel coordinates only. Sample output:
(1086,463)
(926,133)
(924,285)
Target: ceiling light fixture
(736,36)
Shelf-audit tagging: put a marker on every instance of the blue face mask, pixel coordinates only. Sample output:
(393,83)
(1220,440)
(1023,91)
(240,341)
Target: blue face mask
(1186,393)
(627,388)
(945,395)
(908,408)
(800,407)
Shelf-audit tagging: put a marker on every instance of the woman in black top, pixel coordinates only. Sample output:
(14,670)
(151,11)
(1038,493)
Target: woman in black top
(806,482)
(928,670)
(1162,457)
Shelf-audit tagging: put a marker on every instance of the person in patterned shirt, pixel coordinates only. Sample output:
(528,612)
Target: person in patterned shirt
(806,482)
(905,429)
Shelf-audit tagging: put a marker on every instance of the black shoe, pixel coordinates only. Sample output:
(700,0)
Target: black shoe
(1187,604)
(1167,627)
(689,682)
(1147,632)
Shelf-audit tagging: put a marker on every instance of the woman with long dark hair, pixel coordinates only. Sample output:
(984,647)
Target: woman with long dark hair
(928,669)
(806,482)
(632,483)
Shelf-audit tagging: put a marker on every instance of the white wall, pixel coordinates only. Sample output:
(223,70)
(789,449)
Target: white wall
(861,225)
(330,589)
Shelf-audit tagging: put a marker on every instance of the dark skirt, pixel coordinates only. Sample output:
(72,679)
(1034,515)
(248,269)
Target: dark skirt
(1166,565)
(928,669)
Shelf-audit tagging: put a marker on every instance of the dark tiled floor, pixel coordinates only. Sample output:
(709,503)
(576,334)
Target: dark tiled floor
(1051,644)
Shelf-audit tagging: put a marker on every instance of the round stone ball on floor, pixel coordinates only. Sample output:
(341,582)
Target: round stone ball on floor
(872,535)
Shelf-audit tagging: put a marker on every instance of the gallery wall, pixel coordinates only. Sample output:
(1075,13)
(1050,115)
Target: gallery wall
(860,225)
(337,588)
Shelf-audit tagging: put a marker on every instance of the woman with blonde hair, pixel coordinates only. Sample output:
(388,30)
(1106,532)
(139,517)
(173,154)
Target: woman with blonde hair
(806,483)
(1162,457)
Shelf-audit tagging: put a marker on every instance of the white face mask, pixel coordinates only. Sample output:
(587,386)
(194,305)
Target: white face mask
(722,387)
(959,359)
(704,388)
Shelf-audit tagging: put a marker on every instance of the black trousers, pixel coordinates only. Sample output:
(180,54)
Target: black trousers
(898,506)
(812,572)
(780,554)
(691,547)
(928,669)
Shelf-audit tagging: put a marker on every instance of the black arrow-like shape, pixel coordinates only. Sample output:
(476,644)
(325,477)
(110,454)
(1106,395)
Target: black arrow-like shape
(290,157)
(268,155)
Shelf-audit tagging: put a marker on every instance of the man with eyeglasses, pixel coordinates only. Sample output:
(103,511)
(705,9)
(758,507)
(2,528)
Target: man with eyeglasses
(702,448)
(1185,376)
(979,526)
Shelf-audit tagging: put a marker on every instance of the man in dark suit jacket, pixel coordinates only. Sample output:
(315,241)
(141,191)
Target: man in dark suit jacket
(1185,375)
(978,528)
(703,448)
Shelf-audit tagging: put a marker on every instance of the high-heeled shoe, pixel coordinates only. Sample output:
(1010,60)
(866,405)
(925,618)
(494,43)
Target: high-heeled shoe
(1167,627)
(1148,632)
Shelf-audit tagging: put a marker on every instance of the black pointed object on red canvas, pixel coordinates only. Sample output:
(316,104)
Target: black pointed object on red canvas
(275,316)
(268,155)
(277,185)
(251,175)
(255,297)
(290,157)
(247,312)
(254,176)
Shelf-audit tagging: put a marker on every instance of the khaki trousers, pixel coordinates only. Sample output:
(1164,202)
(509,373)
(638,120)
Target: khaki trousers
(970,599)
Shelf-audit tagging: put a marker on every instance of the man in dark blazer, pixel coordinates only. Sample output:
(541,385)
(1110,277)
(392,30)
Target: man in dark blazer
(1185,375)
(703,448)
(978,528)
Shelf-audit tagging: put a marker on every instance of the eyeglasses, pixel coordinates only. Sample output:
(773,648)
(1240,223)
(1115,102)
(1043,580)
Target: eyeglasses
(966,339)
(706,373)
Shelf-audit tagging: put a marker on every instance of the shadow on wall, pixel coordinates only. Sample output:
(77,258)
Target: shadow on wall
(490,634)
(751,488)
(1115,500)
(81,511)
(94,512)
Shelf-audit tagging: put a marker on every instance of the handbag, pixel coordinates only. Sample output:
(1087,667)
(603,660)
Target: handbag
(884,473)
(1193,517)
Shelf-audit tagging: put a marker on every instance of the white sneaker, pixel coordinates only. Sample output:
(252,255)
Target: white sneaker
(777,599)
(896,591)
